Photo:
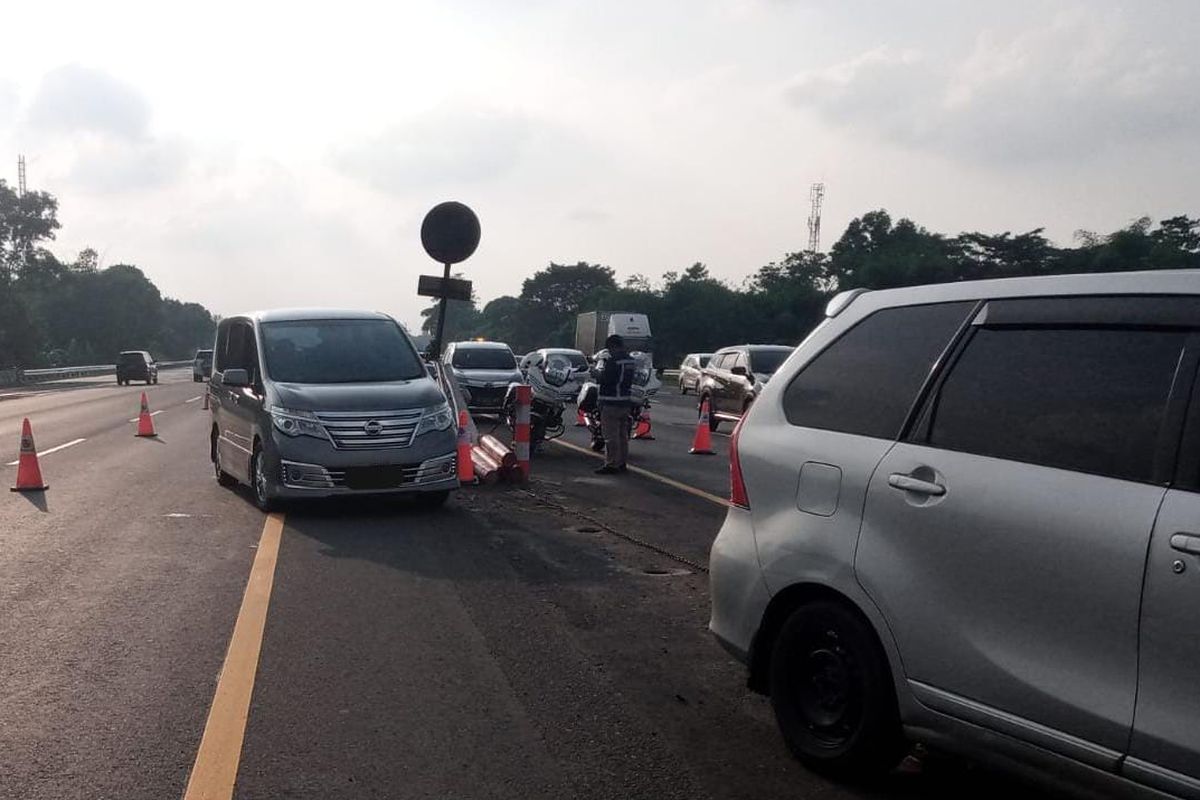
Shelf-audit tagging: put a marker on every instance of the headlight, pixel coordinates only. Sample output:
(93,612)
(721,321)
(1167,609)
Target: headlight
(435,418)
(297,423)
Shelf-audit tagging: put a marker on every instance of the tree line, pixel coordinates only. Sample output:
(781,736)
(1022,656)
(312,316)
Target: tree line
(691,311)
(55,313)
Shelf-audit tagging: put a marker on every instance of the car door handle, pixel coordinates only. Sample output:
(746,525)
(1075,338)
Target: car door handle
(1186,543)
(908,483)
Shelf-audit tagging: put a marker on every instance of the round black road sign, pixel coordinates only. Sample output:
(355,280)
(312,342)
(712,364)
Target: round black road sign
(450,232)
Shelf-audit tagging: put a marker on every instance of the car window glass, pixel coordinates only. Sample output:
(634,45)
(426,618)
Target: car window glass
(232,356)
(765,362)
(249,357)
(866,381)
(740,360)
(339,351)
(719,360)
(483,358)
(1084,399)
(704,360)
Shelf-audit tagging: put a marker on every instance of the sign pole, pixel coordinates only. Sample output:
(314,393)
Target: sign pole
(436,350)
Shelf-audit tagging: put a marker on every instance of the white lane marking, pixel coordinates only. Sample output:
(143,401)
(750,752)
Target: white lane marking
(152,413)
(194,399)
(41,453)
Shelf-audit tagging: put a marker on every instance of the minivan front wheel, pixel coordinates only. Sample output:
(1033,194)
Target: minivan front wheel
(260,482)
(832,693)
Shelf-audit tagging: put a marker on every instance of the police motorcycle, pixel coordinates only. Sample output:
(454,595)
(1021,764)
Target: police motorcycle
(645,385)
(553,383)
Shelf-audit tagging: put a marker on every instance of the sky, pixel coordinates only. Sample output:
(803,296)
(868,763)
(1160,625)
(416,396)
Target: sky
(256,155)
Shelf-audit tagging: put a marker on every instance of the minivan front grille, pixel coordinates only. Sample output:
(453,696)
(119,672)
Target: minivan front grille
(370,430)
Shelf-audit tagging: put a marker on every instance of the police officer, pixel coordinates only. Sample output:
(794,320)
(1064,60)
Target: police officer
(614,374)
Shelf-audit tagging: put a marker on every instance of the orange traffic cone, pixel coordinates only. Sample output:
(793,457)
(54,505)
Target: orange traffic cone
(580,419)
(642,431)
(466,468)
(145,421)
(702,443)
(29,474)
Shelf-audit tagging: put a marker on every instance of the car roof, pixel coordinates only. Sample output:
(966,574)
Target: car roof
(483,345)
(689,355)
(557,350)
(1170,281)
(300,314)
(753,347)
(134,352)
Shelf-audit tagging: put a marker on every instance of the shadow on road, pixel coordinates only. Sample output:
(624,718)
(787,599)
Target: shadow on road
(36,499)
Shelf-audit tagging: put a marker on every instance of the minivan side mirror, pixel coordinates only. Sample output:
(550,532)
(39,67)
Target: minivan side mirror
(235,378)
(739,370)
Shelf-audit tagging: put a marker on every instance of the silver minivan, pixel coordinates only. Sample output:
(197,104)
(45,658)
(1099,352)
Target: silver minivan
(310,403)
(969,515)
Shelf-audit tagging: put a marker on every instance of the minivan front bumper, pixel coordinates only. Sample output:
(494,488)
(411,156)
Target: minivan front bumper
(306,466)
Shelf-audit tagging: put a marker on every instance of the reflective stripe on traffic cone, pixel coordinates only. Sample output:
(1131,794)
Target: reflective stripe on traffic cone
(466,469)
(145,421)
(642,431)
(702,442)
(29,474)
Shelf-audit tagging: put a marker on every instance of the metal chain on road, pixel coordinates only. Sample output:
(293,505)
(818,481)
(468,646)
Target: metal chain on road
(619,534)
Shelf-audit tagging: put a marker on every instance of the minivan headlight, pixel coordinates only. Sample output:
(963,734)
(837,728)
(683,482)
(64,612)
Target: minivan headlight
(296,423)
(435,418)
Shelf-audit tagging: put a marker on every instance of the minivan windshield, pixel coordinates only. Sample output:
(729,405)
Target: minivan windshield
(483,358)
(765,362)
(339,351)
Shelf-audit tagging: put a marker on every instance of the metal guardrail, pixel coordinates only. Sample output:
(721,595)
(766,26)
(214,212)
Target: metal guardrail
(19,377)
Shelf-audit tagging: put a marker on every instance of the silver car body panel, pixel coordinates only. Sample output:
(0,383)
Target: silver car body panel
(1055,684)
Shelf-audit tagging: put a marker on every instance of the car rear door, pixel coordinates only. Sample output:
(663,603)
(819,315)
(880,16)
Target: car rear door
(1165,749)
(233,406)
(1004,541)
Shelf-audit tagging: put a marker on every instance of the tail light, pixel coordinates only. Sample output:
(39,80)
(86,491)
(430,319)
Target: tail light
(737,484)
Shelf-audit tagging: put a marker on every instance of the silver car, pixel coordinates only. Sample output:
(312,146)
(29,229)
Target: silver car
(309,403)
(969,515)
(484,370)
(691,369)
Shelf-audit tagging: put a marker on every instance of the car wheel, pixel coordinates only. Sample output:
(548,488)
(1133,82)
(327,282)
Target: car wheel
(682,387)
(223,477)
(260,482)
(431,500)
(832,693)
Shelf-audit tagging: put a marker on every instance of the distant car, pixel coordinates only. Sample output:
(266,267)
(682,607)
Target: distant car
(691,370)
(734,377)
(202,365)
(136,365)
(484,370)
(969,514)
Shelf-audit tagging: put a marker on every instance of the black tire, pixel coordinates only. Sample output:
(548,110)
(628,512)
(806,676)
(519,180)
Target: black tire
(223,477)
(261,487)
(833,695)
(156,380)
(597,445)
(430,501)
(682,387)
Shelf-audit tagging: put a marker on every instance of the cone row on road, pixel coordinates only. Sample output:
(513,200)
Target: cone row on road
(702,441)
(29,474)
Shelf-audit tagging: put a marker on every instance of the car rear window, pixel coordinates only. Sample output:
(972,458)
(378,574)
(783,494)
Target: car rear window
(765,362)
(704,361)
(132,358)
(866,381)
(483,358)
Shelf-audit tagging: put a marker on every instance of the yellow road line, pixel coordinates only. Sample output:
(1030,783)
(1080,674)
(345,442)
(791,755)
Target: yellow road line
(216,766)
(683,487)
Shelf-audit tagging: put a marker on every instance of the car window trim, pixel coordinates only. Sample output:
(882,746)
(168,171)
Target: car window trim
(1186,474)
(1167,448)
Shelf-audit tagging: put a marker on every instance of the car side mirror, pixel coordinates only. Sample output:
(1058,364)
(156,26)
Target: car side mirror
(739,371)
(235,378)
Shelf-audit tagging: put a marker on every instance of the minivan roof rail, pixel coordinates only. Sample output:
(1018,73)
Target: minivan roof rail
(841,301)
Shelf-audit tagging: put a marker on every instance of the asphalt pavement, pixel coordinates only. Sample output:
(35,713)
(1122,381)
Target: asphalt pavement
(538,641)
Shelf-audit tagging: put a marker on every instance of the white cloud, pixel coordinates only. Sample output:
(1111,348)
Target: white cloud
(445,146)
(1072,89)
(73,99)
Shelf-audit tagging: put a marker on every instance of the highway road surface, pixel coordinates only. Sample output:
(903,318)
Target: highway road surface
(161,638)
